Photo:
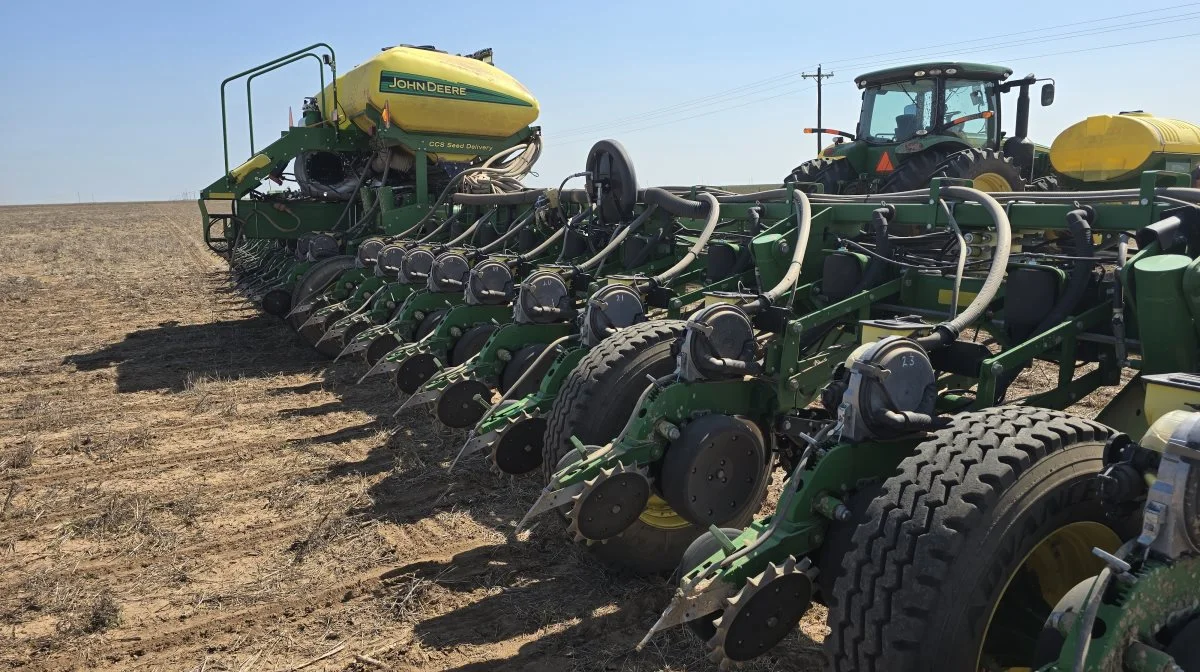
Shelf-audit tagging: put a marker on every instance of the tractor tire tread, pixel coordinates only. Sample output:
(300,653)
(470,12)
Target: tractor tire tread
(575,399)
(881,605)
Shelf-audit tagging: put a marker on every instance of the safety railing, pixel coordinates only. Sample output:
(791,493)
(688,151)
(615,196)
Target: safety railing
(329,59)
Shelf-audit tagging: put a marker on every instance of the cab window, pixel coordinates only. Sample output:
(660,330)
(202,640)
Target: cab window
(895,112)
(971,100)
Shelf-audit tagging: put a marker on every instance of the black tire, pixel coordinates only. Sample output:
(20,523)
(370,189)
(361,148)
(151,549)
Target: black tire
(470,343)
(379,347)
(832,174)
(839,540)
(913,172)
(430,323)
(316,279)
(521,360)
(975,164)
(1045,183)
(941,542)
(595,403)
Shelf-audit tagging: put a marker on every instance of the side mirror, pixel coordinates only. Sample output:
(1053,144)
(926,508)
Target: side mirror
(1047,94)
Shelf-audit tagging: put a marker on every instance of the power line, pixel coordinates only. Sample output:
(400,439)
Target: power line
(617,126)
(588,137)
(774,82)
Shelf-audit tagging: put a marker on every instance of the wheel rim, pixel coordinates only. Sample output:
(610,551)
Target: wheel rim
(1058,562)
(659,514)
(991,182)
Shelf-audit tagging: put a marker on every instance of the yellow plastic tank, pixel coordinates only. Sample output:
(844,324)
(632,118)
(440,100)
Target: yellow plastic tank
(1110,146)
(427,91)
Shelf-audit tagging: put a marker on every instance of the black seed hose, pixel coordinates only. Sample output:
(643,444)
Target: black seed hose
(947,332)
(713,214)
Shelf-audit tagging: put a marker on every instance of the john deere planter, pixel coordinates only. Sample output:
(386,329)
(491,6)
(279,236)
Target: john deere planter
(907,467)
(662,263)
(388,153)
(871,328)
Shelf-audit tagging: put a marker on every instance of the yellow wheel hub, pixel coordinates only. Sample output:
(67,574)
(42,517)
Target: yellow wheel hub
(991,182)
(1058,563)
(659,514)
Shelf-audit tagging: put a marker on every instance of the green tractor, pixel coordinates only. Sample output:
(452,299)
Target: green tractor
(932,120)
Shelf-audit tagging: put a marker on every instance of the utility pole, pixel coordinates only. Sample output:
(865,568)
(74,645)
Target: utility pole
(819,76)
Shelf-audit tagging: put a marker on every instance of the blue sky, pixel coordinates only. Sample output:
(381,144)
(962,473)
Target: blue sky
(118,100)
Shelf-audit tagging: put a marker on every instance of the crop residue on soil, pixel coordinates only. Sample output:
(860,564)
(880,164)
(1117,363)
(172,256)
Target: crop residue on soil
(184,485)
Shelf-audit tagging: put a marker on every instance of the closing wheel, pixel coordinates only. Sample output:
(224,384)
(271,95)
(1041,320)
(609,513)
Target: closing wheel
(519,449)
(470,343)
(429,323)
(313,333)
(762,613)
(597,399)
(516,367)
(463,403)
(277,302)
(714,471)
(351,333)
(379,348)
(415,371)
(317,278)
(1000,528)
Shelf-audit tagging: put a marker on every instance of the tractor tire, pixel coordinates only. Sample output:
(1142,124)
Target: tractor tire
(831,174)
(1045,183)
(595,403)
(949,535)
(913,173)
(990,170)
(318,277)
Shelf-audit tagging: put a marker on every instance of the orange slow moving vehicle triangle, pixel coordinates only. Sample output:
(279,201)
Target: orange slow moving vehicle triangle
(885,164)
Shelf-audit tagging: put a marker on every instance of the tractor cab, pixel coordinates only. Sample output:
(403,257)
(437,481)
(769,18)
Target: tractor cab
(935,103)
(930,120)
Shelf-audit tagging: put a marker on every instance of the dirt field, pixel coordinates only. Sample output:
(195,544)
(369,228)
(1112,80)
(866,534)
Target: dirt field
(185,486)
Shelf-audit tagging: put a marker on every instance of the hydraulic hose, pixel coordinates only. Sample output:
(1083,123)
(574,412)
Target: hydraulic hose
(350,202)
(366,216)
(543,246)
(962,256)
(745,256)
(437,230)
(880,217)
(499,174)
(710,225)
(1085,250)
(552,238)
(803,210)
(571,224)
(1077,283)
(616,241)
(680,207)
(470,231)
(513,230)
(947,332)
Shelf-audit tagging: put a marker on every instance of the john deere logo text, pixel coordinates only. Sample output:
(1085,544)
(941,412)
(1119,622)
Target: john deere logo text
(413,85)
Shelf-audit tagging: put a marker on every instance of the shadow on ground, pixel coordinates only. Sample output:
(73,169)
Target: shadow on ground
(170,355)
